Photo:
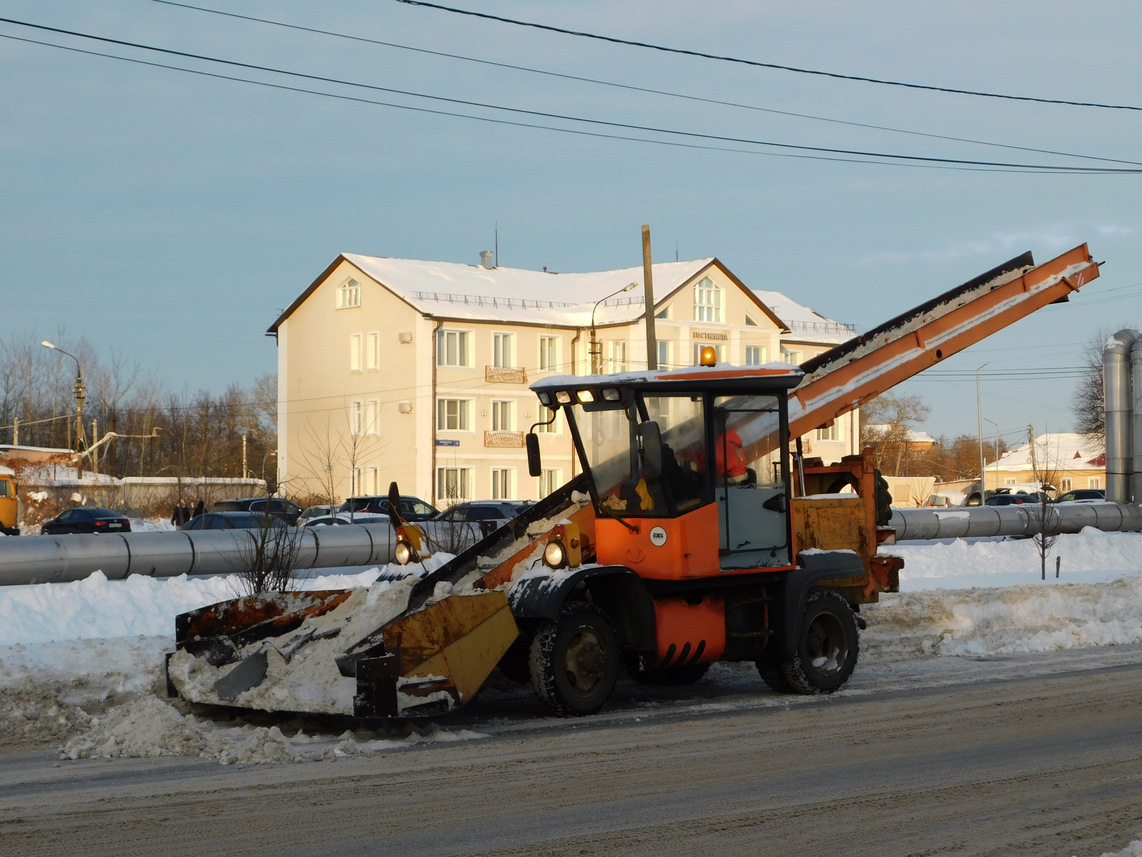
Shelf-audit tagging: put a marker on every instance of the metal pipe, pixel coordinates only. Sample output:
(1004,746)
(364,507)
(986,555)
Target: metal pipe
(1019,520)
(1118,402)
(54,559)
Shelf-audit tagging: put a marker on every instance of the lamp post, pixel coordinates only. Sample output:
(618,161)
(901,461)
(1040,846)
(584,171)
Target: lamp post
(986,420)
(595,345)
(80,395)
(979,412)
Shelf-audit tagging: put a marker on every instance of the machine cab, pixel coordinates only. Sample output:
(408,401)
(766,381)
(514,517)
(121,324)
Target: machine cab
(670,456)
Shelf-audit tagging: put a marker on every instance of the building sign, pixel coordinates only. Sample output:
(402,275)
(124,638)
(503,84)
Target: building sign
(722,337)
(447,443)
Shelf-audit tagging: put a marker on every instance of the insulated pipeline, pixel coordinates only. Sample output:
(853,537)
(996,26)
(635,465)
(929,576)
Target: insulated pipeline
(1019,520)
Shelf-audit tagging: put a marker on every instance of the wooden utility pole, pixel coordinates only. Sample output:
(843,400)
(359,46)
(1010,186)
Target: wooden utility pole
(648,290)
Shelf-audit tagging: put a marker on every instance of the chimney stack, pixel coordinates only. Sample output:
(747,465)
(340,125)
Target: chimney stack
(486,259)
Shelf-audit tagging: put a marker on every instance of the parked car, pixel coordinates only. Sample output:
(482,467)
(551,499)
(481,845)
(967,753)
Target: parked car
(1082,495)
(310,512)
(329,520)
(488,514)
(280,506)
(411,508)
(1013,499)
(234,521)
(86,519)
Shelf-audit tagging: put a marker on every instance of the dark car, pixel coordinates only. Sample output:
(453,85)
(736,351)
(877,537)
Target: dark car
(1081,495)
(86,519)
(1010,499)
(489,514)
(234,521)
(279,506)
(411,508)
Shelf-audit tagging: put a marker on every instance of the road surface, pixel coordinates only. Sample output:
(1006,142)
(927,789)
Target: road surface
(1042,765)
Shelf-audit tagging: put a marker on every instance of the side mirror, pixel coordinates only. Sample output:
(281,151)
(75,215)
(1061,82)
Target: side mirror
(651,437)
(534,464)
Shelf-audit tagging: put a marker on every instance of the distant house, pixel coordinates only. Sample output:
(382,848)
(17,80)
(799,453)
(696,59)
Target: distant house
(417,372)
(1066,460)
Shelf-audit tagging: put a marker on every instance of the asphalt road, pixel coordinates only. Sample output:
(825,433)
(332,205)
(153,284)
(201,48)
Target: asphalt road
(1049,765)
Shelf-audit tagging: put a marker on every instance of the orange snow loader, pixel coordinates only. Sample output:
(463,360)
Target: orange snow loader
(695,532)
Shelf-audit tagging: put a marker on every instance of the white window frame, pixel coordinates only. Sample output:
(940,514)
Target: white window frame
(503,350)
(616,355)
(461,478)
(349,294)
(461,416)
(372,351)
(1094,482)
(549,353)
(550,479)
(503,415)
(1064,484)
(503,483)
(755,355)
(665,354)
(370,481)
(354,352)
(372,417)
(356,417)
(454,348)
(789,355)
(829,432)
(707,301)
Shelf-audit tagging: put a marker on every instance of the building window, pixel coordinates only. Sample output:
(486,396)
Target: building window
(503,483)
(1064,484)
(453,415)
(749,322)
(370,478)
(548,421)
(372,416)
(356,417)
(828,432)
(663,313)
(453,484)
(548,353)
(372,351)
(355,352)
(349,295)
(790,356)
(707,301)
(665,354)
(503,416)
(719,352)
(549,480)
(755,355)
(503,350)
(1093,482)
(616,356)
(453,348)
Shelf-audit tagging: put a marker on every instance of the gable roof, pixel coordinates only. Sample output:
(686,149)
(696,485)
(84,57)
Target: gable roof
(805,323)
(459,291)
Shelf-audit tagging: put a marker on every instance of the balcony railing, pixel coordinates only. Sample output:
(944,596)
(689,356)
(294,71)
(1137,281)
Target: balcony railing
(503,439)
(504,375)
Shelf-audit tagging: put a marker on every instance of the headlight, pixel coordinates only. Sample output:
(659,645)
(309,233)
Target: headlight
(403,553)
(554,555)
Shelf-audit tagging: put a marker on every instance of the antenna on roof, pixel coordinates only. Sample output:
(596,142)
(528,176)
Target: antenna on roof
(497,243)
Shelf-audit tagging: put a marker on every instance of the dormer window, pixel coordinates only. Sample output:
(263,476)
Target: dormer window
(349,295)
(707,301)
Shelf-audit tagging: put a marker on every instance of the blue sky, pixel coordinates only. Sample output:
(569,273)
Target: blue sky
(168,217)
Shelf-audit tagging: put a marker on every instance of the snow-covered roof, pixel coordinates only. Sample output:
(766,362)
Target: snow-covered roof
(1059,451)
(455,290)
(804,322)
(911,436)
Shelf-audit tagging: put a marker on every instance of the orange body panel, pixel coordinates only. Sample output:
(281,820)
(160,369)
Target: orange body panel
(690,633)
(662,548)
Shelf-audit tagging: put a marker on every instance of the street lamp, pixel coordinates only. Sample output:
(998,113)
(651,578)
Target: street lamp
(596,347)
(80,395)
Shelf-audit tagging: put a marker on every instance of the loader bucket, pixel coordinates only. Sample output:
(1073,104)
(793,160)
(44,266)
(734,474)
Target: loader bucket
(435,659)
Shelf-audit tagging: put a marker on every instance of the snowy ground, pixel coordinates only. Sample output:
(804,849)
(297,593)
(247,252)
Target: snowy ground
(81,663)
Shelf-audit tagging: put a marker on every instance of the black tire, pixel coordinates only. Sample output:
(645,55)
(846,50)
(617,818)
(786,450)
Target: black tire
(574,660)
(827,645)
(773,674)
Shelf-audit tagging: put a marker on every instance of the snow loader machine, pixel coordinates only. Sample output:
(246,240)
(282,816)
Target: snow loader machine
(694,532)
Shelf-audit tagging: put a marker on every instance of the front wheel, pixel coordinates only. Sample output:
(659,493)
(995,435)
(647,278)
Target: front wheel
(827,645)
(574,660)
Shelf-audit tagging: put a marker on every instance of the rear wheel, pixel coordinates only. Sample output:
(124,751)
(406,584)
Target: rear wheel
(827,645)
(574,660)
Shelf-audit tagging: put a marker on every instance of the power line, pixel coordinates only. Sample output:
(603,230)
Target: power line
(815,152)
(633,88)
(774,66)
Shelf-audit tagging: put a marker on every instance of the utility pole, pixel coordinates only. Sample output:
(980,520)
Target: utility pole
(80,395)
(648,290)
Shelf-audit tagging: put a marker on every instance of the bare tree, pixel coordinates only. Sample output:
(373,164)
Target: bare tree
(886,423)
(1088,401)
